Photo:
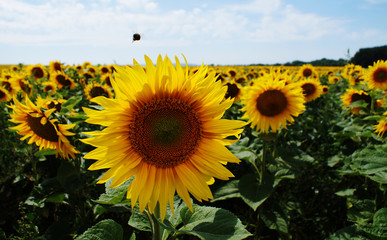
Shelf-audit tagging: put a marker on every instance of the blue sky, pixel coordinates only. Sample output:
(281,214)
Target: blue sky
(220,32)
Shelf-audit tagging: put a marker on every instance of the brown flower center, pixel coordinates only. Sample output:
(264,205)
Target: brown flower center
(62,80)
(308,89)
(97,91)
(271,103)
(165,132)
(356,97)
(307,72)
(2,95)
(46,131)
(380,75)
(37,72)
(232,90)
(57,66)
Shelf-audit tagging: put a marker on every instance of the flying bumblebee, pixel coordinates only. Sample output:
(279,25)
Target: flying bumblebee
(136,37)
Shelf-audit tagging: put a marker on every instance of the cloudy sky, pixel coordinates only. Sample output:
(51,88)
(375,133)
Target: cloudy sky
(220,32)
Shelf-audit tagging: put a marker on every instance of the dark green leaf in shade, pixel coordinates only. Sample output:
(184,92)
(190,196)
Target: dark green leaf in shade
(254,193)
(106,229)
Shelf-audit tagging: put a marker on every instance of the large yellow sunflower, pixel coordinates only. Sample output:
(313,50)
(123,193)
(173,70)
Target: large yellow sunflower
(272,103)
(376,75)
(35,123)
(164,127)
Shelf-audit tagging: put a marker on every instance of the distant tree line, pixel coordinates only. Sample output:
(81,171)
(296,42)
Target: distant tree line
(364,57)
(367,56)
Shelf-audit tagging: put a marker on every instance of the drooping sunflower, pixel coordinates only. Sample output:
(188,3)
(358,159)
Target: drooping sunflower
(311,88)
(44,131)
(352,95)
(164,127)
(4,95)
(93,90)
(376,75)
(270,104)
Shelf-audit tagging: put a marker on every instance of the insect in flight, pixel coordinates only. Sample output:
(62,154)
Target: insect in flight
(136,37)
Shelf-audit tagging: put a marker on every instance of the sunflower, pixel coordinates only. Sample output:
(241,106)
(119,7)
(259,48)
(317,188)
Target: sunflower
(376,75)
(381,127)
(104,70)
(45,132)
(307,71)
(49,103)
(49,88)
(272,103)
(106,80)
(325,89)
(4,95)
(164,127)
(62,80)
(233,90)
(352,95)
(311,88)
(55,66)
(93,90)
(37,71)
(9,86)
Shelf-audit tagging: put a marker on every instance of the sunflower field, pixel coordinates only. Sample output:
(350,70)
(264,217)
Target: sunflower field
(170,151)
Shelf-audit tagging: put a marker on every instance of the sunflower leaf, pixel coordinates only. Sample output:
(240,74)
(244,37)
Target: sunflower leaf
(139,220)
(114,195)
(106,229)
(254,193)
(229,190)
(70,103)
(212,224)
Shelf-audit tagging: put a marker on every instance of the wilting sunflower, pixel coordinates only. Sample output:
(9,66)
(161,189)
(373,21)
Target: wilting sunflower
(45,132)
(164,127)
(37,71)
(352,95)
(376,75)
(270,104)
(381,127)
(4,95)
(93,90)
(311,88)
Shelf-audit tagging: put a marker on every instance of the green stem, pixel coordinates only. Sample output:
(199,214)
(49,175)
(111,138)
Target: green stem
(156,226)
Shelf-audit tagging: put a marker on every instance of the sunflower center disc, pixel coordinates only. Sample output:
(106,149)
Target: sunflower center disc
(38,72)
(46,131)
(308,89)
(271,103)
(97,91)
(380,75)
(307,72)
(2,94)
(356,97)
(62,80)
(165,132)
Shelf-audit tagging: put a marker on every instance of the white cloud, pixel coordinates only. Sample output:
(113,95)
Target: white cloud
(109,22)
(376,1)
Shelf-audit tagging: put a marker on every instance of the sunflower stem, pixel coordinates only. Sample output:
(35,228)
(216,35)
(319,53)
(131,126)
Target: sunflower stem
(156,225)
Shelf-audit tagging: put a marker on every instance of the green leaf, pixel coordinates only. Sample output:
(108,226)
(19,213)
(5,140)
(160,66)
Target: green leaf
(358,103)
(139,220)
(276,220)
(345,192)
(211,223)
(45,152)
(246,155)
(59,198)
(114,195)
(229,190)
(360,211)
(104,230)
(71,102)
(252,192)
(332,161)
(347,233)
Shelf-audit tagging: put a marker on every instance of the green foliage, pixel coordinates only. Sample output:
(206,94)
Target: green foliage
(104,230)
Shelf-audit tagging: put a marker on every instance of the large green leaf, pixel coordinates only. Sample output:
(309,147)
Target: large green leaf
(104,230)
(229,190)
(139,220)
(114,195)
(378,228)
(211,224)
(254,193)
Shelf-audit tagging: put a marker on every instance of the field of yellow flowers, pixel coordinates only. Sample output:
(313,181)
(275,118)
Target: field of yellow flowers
(170,151)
